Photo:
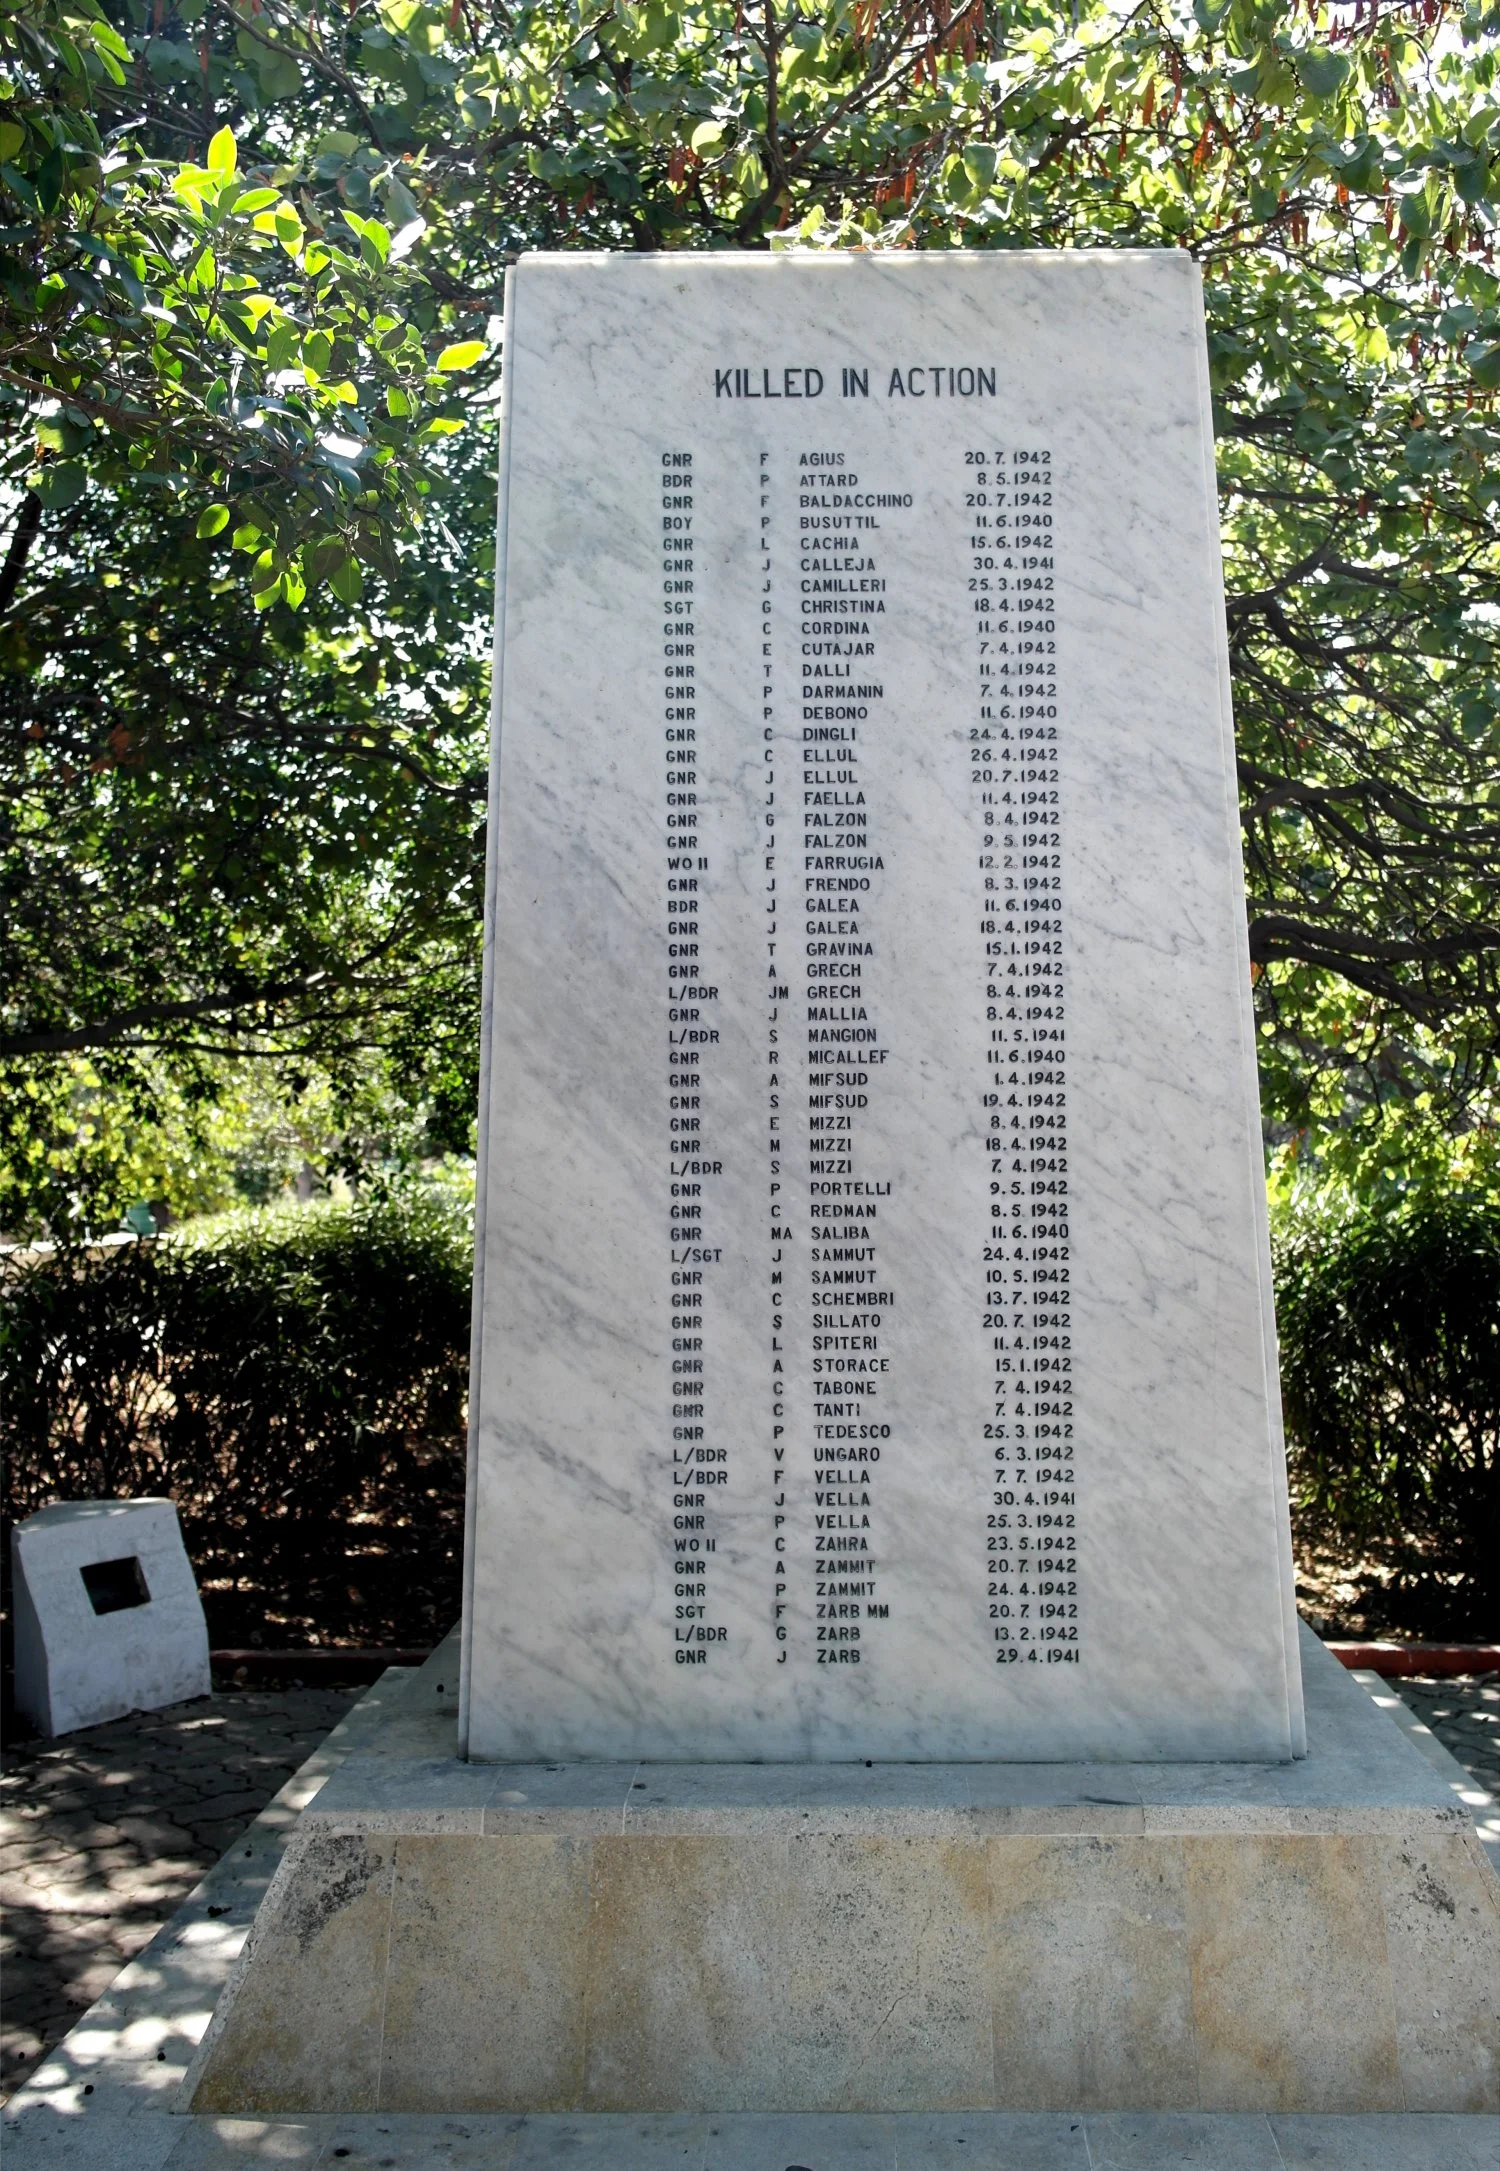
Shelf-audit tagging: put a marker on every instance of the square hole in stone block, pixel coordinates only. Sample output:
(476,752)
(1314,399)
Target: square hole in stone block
(113,1585)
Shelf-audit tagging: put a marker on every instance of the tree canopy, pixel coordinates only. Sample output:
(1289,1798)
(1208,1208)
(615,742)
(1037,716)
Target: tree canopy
(252,270)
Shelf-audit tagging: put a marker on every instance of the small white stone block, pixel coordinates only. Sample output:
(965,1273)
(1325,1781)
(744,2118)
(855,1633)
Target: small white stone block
(108,1617)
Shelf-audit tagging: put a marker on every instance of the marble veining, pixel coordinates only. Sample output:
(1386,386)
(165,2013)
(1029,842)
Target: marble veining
(875,1354)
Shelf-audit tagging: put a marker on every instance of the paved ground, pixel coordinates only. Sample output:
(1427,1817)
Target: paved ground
(847,2141)
(104,1832)
(1465,1716)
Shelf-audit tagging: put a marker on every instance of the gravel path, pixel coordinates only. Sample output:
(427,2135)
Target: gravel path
(104,1832)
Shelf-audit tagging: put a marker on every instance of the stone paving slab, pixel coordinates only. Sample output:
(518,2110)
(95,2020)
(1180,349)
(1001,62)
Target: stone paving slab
(104,1832)
(1457,1733)
(1464,1713)
(951,2141)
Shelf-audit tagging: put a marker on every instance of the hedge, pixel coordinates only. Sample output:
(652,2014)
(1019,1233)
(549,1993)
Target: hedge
(1390,1370)
(294,1379)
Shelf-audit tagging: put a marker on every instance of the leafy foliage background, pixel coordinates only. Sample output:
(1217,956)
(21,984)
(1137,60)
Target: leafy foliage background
(250,278)
(251,266)
(1390,1370)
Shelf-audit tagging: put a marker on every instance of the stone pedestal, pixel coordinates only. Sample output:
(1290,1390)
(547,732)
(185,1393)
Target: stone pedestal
(1323,1936)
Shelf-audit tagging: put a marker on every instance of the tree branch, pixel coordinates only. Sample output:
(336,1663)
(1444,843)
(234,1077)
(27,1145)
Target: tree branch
(23,535)
(107,1031)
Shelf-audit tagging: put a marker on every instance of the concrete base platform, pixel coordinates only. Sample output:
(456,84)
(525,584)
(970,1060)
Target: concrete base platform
(451,1938)
(110,2097)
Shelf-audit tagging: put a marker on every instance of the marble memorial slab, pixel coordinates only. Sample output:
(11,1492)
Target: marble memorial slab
(874,1353)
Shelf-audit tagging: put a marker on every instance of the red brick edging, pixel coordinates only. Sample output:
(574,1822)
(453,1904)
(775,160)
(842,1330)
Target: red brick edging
(1396,1659)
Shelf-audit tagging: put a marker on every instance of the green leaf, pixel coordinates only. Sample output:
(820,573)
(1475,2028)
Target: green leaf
(347,581)
(590,97)
(277,72)
(282,342)
(1483,364)
(213,521)
(1321,73)
(324,558)
(222,156)
(1275,84)
(399,203)
(463,355)
(60,484)
(49,180)
(1424,451)
(12,136)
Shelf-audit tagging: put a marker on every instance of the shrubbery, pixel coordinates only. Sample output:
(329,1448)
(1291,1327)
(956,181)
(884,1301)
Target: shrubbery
(294,1379)
(1390,1369)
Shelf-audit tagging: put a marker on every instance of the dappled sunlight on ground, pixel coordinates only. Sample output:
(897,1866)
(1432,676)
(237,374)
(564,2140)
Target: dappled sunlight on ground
(104,1832)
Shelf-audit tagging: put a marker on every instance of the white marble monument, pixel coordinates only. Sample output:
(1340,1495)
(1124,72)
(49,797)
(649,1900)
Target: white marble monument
(874,1353)
(875,1387)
